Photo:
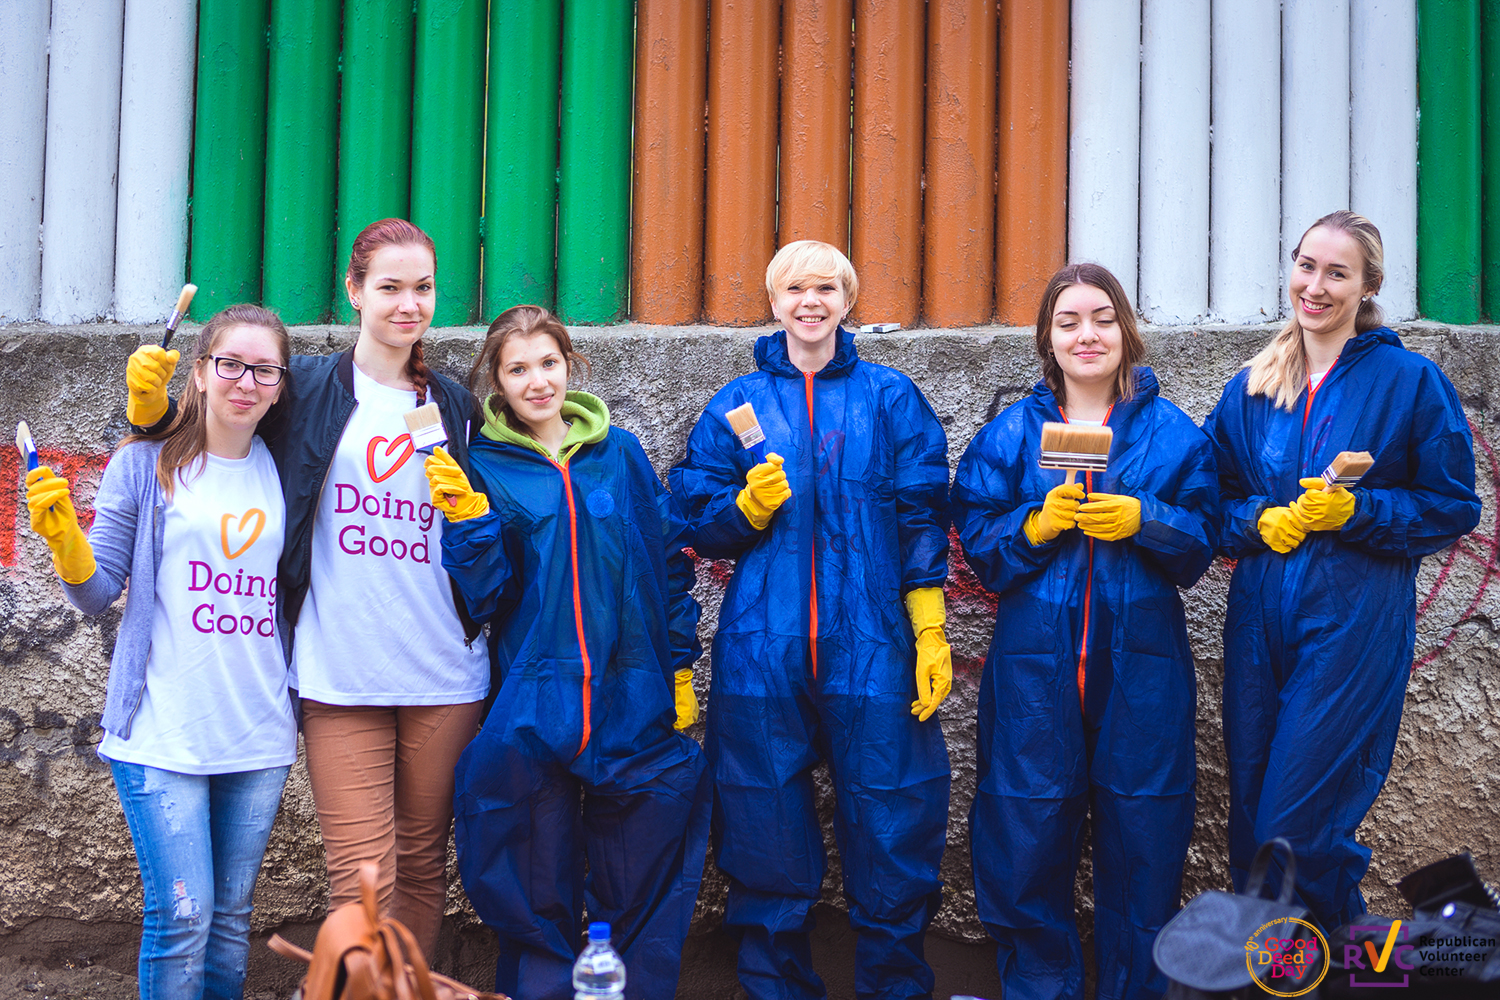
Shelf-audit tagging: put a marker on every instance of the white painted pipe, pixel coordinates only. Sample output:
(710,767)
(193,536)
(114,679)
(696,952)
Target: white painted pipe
(1314,117)
(1244,276)
(156,142)
(83,133)
(1383,139)
(1174,160)
(23,131)
(1104,136)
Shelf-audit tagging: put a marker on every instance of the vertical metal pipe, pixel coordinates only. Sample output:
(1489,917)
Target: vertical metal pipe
(374,180)
(1174,161)
(1104,144)
(1490,142)
(1448,184)
(1314,117)
(23,129)
(815,90)
(1031,206)
(301,160)
(1244,273)
(447,162)
(593,201)
(739,233)
(520,169)
(671,85)
(958,247)
(82,156)
(886,232)
(1383,139)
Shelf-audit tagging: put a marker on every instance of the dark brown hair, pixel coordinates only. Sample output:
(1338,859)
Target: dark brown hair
(185,440)
(517,321)
(393,233)
(1132,347)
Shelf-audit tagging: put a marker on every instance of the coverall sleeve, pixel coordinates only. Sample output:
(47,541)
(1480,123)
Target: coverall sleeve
(1179,534)
(1239,533)
(683,611)
(921,491)
(1440,505)
(476,555)
(111,536)
(989,511)
(705,483)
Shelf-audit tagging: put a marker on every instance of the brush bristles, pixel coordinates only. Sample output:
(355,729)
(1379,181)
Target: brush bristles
(1348,467)
(1068,446)
(186,298)
(742,421)
(425,424)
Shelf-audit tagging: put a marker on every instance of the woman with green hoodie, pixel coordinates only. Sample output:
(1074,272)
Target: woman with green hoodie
(578,568)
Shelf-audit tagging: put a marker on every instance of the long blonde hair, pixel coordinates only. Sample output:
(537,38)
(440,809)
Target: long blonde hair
(1280,369)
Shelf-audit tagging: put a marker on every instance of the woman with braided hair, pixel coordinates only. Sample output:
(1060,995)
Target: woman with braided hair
(382,652)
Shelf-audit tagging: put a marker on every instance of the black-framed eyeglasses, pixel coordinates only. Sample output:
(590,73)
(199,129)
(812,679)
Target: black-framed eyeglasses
(233,369)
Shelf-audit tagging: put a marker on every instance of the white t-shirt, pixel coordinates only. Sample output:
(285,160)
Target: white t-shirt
(378,626)
(216,697)
(1315,379)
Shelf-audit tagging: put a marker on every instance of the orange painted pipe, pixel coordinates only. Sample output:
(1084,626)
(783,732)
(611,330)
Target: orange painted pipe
(958,240)
(1031,209)
(815,84)
(671,83)
(740,209)
(885,237)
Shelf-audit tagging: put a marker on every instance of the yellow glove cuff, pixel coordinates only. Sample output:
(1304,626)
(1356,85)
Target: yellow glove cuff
(925,608)
(1033,533)
(685,699)
(145,413)
(757,513)
(73,557)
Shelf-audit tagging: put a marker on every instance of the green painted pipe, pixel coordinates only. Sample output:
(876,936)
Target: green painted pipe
(1490,100)
(301,152)
(593,204)
(520,181)
(229,144)
(447,151)
(1448,162)
(374,125)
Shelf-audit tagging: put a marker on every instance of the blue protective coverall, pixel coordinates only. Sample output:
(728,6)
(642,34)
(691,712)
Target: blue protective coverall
(579,571)
(815,658)
(1104,617)
(1318,643)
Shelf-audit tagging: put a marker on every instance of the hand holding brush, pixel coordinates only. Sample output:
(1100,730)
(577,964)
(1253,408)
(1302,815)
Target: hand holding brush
(451,492)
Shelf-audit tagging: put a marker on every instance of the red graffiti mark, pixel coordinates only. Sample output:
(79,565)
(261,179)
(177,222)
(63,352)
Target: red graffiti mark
(81,469)
(963,588)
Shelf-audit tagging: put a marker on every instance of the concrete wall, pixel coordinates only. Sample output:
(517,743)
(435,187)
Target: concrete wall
(68,883)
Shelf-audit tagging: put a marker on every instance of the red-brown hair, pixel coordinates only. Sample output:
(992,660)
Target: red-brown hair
(393,233)
(1132,347)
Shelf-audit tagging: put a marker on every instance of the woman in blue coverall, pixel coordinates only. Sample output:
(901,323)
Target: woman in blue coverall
(576,563)
(1322,606)
(1087,702)
(815,655)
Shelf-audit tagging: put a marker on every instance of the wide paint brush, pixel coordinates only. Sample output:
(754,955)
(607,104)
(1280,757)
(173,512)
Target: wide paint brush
(1077,449)
(743,422)
(425,425)
(1346,469)
(183,301)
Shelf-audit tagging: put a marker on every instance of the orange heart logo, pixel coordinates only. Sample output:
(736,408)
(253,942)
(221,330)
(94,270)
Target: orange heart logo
(390,449)
(260,525)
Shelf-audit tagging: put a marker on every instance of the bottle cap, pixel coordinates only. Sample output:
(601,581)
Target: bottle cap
(599,931)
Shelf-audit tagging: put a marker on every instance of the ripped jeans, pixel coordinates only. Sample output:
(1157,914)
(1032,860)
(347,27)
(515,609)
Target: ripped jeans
(199,841)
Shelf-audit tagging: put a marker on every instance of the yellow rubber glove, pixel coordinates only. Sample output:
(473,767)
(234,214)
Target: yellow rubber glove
(1320,511)
(1110,517)
(1280,529)
(52,516)
(934,656)
(765,490)
(1059,513)
(451,492)
(146,376)
(686,698)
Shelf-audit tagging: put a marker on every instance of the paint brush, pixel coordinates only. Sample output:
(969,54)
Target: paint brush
(1075,448)
(27,446)
(425,425)
(1346,469)
(183,300)
(742,421)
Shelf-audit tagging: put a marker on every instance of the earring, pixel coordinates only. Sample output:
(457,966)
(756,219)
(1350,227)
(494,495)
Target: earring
(354,303)
(1365,299)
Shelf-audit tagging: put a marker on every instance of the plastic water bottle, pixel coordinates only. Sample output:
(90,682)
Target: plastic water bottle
(599,971)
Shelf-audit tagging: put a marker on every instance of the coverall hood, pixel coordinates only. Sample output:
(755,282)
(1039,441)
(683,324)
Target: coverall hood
(586,414)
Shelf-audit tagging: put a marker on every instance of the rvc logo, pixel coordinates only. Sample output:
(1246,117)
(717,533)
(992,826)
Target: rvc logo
(1395,948)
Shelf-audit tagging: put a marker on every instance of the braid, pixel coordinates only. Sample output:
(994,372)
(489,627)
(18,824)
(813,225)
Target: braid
(418,372)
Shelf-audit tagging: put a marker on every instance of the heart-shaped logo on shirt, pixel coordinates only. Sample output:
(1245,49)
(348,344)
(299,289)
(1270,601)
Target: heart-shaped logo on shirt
(401,444)
(244,530)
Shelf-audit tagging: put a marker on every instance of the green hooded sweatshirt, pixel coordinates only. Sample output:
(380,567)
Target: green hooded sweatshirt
(586,414)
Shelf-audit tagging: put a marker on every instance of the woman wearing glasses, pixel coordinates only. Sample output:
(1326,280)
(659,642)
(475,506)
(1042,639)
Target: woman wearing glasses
(382,653)
(198,723)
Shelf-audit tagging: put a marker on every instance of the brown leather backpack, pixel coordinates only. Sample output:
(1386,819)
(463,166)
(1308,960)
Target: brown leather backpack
(359,956)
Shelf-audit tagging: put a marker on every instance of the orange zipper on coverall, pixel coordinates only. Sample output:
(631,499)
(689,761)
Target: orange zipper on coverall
(812,636)
(1088,585)
(583,649)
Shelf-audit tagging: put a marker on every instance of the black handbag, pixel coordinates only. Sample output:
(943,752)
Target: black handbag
(1202,950)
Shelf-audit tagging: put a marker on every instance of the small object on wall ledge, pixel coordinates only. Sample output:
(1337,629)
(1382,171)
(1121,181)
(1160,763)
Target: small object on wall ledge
(880,328)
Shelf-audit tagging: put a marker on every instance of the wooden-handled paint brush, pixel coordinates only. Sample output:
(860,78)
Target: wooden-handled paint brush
(183,301)
(1346,469)
(1075,448)
(742,421)
(425,425)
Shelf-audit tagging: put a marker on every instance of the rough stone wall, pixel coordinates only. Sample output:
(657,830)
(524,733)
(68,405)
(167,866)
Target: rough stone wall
(67,870)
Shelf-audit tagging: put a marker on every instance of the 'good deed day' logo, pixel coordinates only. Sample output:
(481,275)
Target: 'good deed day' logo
(237,533)
(1287,956)
(383,458)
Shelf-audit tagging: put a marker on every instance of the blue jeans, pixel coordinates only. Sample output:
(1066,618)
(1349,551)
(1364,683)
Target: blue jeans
(199,841)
